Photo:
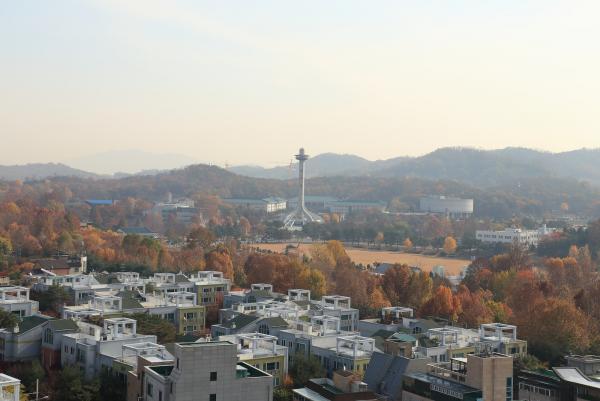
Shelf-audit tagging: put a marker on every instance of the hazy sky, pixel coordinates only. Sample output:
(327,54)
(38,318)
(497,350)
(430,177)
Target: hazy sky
(250,81)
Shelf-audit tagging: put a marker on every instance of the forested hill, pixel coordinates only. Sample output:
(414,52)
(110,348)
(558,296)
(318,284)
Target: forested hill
(530,196)
(471,166)
(41,171)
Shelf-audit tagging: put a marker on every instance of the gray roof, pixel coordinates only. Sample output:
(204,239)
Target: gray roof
(385,373)
(136,230)
(240,321)
(30,322)
(62,324)
(276,321)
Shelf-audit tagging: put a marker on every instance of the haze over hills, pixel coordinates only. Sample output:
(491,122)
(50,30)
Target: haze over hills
(472,166)
(480,168)
(131,161)
(33,171)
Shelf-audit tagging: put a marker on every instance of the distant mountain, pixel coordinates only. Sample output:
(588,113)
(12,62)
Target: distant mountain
(132,161)
(472,166)
(323,165)
(38,171)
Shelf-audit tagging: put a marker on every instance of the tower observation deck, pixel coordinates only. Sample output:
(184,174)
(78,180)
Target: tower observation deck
(301,216)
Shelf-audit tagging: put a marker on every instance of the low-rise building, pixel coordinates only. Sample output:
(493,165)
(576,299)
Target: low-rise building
(141,231)
(268,205)
(95,347)
(52,336)
(23,342)
(10,388)
(262,352)
(63,265)
(343,386)
(514,235)
(211,286)
(16,301)
(450,206)
(482,376)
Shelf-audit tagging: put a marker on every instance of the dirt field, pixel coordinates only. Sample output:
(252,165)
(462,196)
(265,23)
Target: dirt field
(364,256)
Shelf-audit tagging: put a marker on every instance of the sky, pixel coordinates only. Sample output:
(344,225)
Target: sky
(249,82)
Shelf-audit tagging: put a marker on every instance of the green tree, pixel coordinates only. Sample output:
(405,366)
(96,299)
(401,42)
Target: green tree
(8,320)
(5,248)
(151,324)
(31,374)
(70,386)
(282,394)
(52,299)
(112,387)
(305,368)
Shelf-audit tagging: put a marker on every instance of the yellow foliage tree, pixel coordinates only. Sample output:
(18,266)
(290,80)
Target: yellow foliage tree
(449,245)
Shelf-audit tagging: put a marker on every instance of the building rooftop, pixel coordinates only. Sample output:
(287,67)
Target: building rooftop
(447,384)
(30,322)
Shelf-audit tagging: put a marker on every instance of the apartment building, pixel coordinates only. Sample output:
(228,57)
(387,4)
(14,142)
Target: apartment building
(343,386)
(206,371)
(95,347)
(262,352)
(481,376)
(210,286)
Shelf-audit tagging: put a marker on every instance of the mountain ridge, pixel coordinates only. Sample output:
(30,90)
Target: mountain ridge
(474,166)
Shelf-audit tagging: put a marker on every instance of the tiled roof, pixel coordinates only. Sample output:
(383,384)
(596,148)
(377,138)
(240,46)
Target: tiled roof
(30,322)
(50,264)
(181,278)
(129,300)
(276,322)
(62,324)
(240,321)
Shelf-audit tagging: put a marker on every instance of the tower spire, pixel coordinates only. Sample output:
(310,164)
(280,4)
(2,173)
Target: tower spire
(301,215)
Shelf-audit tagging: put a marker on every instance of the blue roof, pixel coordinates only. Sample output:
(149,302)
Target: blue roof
(99,202)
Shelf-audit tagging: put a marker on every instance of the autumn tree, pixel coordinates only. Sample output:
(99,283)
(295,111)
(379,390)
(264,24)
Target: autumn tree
(407,244)
(200,237)
(442,304)
(449,245)
(220,260)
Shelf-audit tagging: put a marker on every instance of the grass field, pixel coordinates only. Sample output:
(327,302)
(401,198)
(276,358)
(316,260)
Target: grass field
(368,256)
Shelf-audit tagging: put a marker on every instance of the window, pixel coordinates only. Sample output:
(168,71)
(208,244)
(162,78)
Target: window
(212,397)
(213,376)
(149,390)
(48,336)
(160,396)
(177,363)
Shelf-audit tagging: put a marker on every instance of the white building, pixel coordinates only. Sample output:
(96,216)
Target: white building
(10,388)
(16,300)
(446,205)
(271,204)
(514,235)
(95,347)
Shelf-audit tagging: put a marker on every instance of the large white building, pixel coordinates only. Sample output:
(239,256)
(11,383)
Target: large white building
(446,205)
(514,235)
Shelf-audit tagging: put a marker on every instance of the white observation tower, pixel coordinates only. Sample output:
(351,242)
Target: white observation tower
(301,215)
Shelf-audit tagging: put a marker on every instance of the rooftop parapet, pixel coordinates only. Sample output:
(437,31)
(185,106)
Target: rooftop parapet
(336,301)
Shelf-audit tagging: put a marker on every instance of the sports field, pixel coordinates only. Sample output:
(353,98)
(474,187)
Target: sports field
(452,266)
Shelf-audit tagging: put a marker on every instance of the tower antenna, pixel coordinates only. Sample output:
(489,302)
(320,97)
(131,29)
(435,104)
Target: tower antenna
(301,216)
